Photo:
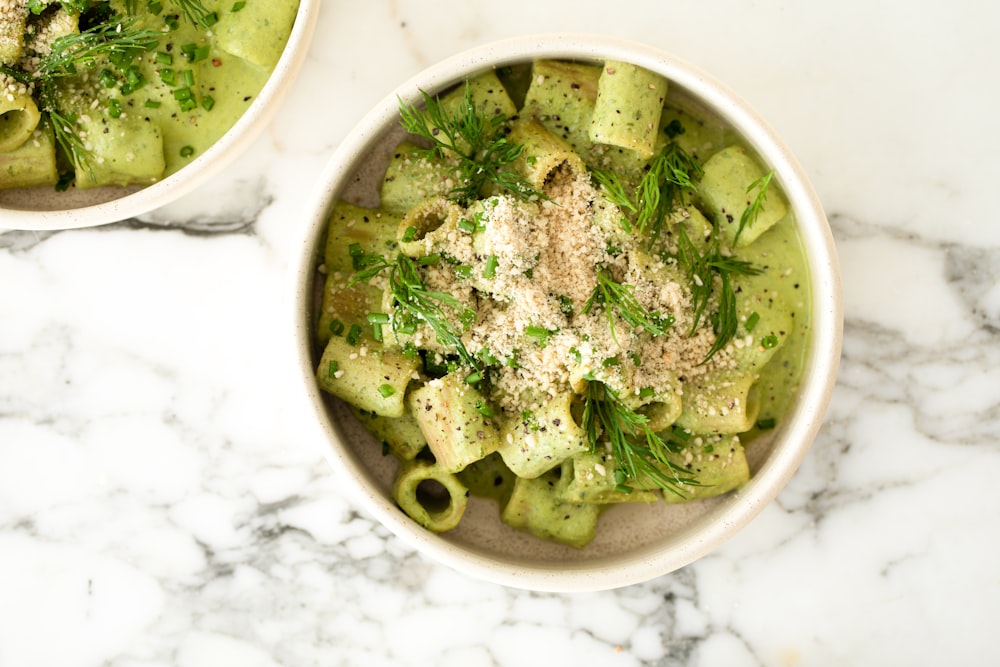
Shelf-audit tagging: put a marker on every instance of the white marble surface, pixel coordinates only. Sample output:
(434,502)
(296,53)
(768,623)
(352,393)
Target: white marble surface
(157,509)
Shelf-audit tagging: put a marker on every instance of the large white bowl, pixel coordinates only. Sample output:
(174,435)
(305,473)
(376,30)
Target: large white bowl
(633,543)
(44,208)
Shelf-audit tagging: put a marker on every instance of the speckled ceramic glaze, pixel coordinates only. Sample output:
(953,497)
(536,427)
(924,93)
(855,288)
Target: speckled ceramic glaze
(634,543)
(45,209)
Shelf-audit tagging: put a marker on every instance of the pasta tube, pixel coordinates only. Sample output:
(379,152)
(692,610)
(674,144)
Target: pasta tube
(32,164)
(543,439)
(628,107)
(19,115)
(366,376)
(593,481)
(257,32)
(536,505)
(717,463)
(727,189)
(544,154)
(430,495)
(410,178)
(449,411)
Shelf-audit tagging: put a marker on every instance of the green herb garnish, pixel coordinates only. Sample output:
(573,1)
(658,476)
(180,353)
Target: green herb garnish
(196,13)
(117,41)
(476,141)
(637,450)
(416,304)
(751,212)
(618,298)
(702,269)
(670,173)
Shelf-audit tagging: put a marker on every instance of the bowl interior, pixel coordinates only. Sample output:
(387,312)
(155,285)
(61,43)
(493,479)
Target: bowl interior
(634,542)
(43,208)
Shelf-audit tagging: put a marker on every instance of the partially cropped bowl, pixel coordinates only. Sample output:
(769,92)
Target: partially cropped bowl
(634,543)
(45,208)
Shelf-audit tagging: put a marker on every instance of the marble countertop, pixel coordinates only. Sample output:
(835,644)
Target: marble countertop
(156,508)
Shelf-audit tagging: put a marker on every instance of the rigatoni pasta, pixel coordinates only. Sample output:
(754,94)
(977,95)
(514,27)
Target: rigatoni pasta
(560,311)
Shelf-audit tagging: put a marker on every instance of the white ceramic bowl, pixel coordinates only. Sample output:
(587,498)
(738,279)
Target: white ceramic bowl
(44,208)
(633,543)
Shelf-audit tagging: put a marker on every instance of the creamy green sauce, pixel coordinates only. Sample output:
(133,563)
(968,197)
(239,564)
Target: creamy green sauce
(780,250)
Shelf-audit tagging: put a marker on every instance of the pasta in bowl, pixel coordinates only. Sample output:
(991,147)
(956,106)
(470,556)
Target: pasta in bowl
(567,313)
(111,108)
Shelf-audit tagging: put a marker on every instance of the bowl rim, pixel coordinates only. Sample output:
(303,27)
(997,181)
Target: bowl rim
(216,158)
(801,423)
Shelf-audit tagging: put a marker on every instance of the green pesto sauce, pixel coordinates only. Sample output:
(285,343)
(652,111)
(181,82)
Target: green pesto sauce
(780,251)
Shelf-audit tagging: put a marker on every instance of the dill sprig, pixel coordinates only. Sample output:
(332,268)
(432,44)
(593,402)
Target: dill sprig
(66,136)
(118,41)
(670,173)
(614,189)
(476,141)
(619,298)
(702,269)
(751,212)
(415,304)
(638,451)
(195,12)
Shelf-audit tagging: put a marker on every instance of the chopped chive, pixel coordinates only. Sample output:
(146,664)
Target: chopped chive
(187,151)
(484,409)
(752,320)
(646,392)
(188,50)
(154,7)
(114,108)
(623,488)
(237,6)
(164,58)
(473,378)
(188,77)
(336,327)
(210,19)
(575,354)
(467,225)
(463,271)
(377,332)
(151,104)
(182,94)
(353,334)
(107,79)
(167,76)
(378,318)
(490,270)
(769,342)
(207,102)
(331,371)
(201,53)
(172,22)
(610,361)
(386,390)
(429,260)
(409,235)
(187,105)
(765,424)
